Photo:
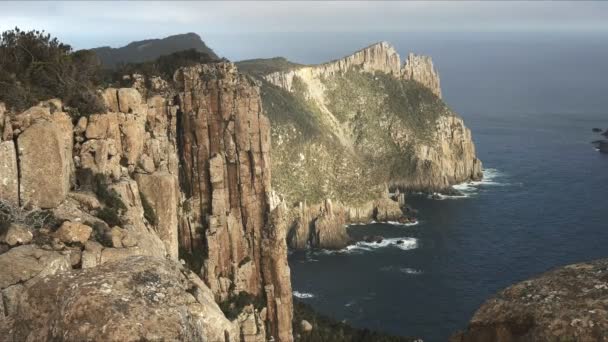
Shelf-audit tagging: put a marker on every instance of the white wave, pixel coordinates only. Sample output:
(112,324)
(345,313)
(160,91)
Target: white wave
(469,189)
(409,224)
(406,270)
(362,246)
(303,295)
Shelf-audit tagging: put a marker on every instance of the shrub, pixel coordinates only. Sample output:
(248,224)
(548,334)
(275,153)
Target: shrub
(149,213)
(26,215)
(233,306)
(113,205)
(35,67)
(163,66)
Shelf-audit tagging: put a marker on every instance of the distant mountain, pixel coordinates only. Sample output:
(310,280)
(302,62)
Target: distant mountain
(150,49)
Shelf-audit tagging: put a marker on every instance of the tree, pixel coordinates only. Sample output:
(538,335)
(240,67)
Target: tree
(35,66)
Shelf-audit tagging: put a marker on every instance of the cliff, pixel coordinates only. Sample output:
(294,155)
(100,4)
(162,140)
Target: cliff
(349,129)
(566,304)
(94,200)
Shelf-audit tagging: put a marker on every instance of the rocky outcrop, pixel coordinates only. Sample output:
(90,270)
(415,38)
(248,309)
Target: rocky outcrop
(449,160)
(45,168)
(139,298)
(566,304)
(324,225)
(420,69)
(224,144)
(381,57)
(185,174)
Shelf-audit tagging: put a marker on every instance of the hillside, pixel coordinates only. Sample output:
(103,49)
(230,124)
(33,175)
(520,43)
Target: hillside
(347,130)
(150,49)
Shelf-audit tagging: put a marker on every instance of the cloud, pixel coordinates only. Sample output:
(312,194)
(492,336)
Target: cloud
(88,24)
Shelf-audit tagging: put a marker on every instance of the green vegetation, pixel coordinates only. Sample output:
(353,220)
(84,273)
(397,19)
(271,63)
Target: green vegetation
(164,66)
(361,97)
(326,329)
(264,66)
(35,67)
(351,142)
(283,107)
(233,306)
(113,205)
(26,215)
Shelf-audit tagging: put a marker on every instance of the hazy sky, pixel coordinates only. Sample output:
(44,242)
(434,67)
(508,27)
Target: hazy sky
(91,24)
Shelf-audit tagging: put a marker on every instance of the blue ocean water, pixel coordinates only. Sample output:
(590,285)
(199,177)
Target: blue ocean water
(531,102)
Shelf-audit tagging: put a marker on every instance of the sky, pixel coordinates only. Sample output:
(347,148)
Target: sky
(116,23)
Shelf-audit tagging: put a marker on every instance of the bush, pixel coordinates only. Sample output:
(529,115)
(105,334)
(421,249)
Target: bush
(35,67)
(113,205)
(163,66)
(149,213)
(27,216)
(232,307)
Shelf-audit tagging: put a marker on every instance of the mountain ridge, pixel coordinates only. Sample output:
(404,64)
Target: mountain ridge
(150,49)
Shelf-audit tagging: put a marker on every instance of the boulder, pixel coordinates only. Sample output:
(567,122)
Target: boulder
(305,326)
(101,156)
(129,100)
(137,299)
(87,200)
(73,232)
(34,114)
(91,256)
(23,263)
(45,165)
(103,126)
(17,234)
(110,98)
(9,177)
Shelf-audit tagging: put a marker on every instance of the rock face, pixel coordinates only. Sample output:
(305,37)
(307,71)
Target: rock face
(380,57)
(140,298)
(566,304)
(182,175)
(9,189)
(224,144)
(45,168)
(421,69)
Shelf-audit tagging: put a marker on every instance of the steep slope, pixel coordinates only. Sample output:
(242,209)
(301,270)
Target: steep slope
(182,175)
(150,49)
(349,129)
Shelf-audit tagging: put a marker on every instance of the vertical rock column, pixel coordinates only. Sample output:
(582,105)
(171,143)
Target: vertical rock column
(224,145)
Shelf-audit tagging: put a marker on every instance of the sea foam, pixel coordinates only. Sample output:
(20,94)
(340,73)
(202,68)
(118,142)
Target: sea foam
(469,189)
(303,295)
(362,246)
